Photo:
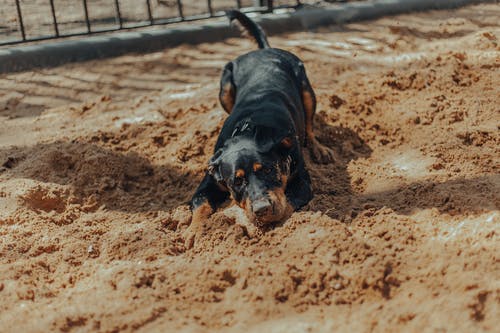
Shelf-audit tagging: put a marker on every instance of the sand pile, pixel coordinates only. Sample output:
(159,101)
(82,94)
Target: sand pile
(98,161)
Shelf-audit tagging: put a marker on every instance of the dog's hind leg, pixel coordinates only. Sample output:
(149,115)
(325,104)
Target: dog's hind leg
(227,91)
(319,152)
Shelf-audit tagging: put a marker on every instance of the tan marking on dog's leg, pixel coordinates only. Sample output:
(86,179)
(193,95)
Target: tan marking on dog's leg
(284,179)
(227,97)
(195,229)
(309,108)
(319,152)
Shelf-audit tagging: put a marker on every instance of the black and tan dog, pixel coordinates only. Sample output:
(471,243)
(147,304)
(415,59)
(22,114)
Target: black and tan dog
(258,160)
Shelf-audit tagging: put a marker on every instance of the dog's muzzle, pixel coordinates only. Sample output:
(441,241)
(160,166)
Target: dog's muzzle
(262,208)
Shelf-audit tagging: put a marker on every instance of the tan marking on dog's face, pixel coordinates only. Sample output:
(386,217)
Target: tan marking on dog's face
(284,174)
(282,209)
(240,173)
(257,166)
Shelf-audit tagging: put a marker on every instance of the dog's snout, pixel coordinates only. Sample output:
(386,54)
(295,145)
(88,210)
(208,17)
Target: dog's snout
(262,207)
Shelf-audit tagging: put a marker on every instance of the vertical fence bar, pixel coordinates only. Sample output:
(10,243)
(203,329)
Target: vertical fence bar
(20,17)
(179,6)
(270,6)
(54,18)
(150,13)
(118,12)
(210,10)
(267,6)
(86,11)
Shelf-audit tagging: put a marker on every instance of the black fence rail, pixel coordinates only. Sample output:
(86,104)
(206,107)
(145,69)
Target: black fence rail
(37,20)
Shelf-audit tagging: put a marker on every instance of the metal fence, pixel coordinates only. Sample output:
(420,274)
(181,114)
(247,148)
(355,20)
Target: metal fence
(50,19)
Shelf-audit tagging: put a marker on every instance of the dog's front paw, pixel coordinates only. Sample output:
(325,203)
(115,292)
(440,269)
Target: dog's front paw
(195,230)
(191,235)
(320,153)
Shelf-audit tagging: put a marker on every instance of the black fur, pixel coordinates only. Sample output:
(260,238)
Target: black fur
(249,26)
(266,89)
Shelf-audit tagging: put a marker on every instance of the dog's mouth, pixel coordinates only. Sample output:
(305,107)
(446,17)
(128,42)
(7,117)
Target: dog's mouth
(269,209)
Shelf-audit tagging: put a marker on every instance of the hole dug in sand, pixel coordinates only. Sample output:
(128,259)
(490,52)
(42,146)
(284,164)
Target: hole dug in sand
(46,199)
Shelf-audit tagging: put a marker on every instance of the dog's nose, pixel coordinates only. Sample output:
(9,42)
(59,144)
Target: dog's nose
(261,207)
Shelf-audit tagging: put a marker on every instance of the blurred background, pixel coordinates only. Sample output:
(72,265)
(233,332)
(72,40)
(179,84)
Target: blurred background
(31,20)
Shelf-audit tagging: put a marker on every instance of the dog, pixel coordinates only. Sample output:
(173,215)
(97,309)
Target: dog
(258,161)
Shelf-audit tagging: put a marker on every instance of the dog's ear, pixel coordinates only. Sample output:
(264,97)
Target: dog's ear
(213,165)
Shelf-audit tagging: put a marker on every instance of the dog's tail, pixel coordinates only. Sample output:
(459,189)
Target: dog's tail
(248,28)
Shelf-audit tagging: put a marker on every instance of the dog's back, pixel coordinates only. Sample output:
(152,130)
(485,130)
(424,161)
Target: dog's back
(265,80)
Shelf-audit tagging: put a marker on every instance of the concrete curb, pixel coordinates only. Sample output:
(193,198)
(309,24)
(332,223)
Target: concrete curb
(56,53)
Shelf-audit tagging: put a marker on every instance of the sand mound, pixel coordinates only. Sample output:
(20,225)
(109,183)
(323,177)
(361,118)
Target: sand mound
(402,234)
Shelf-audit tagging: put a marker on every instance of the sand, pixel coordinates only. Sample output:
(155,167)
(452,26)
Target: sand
(98,161)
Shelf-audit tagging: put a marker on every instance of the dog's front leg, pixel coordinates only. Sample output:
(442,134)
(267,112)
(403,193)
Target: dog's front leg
(205,201)
(299,190)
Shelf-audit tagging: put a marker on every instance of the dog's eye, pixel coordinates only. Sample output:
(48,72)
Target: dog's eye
(267,170)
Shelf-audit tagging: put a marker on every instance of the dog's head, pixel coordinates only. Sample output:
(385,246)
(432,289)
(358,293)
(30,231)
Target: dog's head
(256,174)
